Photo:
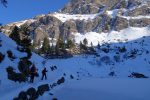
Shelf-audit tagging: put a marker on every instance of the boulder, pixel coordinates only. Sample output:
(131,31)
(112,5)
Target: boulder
(22,96)
(1,57)
(32,93)
(43,88)
(15,76)
(60,81)
(137,75)
(105,59)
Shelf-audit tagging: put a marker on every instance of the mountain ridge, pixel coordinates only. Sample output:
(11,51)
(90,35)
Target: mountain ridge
(65,23)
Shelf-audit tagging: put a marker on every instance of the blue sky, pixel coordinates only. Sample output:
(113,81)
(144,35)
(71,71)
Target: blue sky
(23,9)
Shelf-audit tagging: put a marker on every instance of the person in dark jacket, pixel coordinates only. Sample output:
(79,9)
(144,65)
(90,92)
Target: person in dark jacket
(33,72)
(44,73)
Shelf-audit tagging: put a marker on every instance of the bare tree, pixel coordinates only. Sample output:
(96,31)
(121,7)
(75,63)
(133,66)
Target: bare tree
(4,2)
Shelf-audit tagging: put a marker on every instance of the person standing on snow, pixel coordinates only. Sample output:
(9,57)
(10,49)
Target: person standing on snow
(33,72)
(44,73)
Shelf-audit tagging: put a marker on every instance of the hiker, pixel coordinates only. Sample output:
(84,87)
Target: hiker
(44,73)
(33,72)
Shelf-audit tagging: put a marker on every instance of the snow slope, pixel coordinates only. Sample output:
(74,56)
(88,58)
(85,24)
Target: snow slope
(137,17)
(91,77)
(104,89)
(22,22)
(66,17)
(128,34)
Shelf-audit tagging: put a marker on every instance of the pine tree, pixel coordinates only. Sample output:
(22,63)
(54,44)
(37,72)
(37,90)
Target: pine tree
(92,47)
(57,50)
(26,42)
(25,36)
(45,45)
(70,44)
(124,4)
(107,27)
(98,46)
(91,44)
(24,29)
(50,51)
(81,45)
(4,2)
(15,35)
(60,46)
(85,42)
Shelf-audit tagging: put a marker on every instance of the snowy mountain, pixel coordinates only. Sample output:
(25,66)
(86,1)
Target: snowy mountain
(87,16)
(119,69)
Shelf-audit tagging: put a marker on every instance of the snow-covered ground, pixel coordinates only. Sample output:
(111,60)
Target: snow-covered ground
(91,79)
(103,89)
(22,22)
(128,34)
(66,17)
(137,17)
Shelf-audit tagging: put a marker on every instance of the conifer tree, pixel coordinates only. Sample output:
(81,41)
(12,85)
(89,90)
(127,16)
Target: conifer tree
(70,44)
(57,49)
(98,46)
(4,2)
(81,45)
(45,45)
(85,42)
(91,44)
(25,36)
(15,35)
(60,46)
(92,47)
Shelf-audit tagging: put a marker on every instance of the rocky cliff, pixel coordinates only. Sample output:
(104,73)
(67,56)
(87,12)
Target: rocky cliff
(82,16)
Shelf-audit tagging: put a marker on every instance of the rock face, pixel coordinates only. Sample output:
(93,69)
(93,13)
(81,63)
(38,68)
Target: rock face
(140,22)
(143,10)
(44,27)
(121,23)
(111,15)
(67,28)
(92,6)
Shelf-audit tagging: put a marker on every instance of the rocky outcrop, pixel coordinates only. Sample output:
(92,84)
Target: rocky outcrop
(47,26)
(143,11)
(104,24)
(137,75)
(42,89)
(92,6)
(7,29)
(67,28)
(33,94)
(15,76)
(133,3)
(2,56)
(139,22)
(121,23)
(82,7)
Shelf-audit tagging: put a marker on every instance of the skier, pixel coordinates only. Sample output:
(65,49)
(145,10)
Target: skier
(33,72)
(44,73)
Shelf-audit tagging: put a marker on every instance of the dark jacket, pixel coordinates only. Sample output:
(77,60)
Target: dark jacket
(44,71)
